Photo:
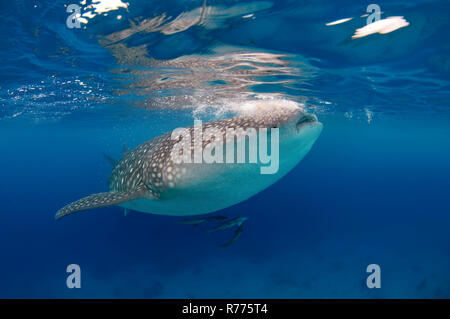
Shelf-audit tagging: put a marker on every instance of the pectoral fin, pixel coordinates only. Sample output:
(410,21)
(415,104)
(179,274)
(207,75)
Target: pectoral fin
(110,160)
(101,200)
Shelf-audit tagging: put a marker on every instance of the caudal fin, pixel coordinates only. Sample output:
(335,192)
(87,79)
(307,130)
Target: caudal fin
(99,200)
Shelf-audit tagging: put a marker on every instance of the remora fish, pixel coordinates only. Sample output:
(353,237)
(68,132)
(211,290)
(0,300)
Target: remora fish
(237,234)
(197,221)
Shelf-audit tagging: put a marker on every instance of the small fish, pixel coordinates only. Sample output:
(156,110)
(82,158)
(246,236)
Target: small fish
(147,180)
(235,237)
(197,221)
(238,221)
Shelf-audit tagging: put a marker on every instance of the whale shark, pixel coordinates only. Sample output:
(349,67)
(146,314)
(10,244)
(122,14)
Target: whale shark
(147,179)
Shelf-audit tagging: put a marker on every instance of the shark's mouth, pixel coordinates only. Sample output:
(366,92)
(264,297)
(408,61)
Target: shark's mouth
(305,120)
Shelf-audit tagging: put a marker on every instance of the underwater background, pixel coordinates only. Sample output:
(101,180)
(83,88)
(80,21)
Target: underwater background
(374,189)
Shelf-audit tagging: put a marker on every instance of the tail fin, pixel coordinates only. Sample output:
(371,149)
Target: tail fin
(111,160)
(99,200)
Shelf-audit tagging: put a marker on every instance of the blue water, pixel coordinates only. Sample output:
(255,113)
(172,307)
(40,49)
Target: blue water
(374,189)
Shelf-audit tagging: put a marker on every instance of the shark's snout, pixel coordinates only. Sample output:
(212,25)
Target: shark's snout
(306,119)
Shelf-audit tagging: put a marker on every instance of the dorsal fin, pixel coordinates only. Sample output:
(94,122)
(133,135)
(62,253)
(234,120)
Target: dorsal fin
(111,160)
(235,237)
(101,200)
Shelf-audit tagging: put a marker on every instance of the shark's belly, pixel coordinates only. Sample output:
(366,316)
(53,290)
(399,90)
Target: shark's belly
(202,199)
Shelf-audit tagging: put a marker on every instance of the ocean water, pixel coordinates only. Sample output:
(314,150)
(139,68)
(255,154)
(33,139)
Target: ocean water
(374,189)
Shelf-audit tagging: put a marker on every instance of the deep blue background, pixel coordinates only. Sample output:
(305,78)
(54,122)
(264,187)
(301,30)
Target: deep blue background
(374,188)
